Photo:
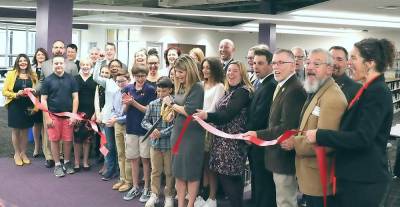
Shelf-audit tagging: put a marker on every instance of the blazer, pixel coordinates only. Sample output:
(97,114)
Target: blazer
(284,115)
(258,112)
(8,87)
(348,86)
(324,111)
(361,142)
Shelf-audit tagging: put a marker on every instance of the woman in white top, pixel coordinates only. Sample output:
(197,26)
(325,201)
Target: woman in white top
(213,75)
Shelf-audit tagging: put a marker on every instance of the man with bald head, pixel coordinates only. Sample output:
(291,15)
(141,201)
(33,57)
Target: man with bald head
(226,50)
(299,56)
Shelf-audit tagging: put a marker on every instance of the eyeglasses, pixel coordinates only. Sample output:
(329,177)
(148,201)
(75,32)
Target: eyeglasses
(299,57)
(279,63)
(153,63)
(139,76)
(315,64)
(121,81)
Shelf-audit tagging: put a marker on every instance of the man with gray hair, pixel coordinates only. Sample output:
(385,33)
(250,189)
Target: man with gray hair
(299,57)
(226,50)
(323,109)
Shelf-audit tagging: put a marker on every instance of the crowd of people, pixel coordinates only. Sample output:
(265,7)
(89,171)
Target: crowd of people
(336,101)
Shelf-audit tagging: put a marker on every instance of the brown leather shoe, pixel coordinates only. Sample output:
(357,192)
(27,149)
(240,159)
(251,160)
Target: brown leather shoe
(125,187)
(117,185)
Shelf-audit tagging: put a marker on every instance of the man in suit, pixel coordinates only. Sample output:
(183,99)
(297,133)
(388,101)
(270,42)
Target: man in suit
(250,61)
(72,51)
(348,85)
(226,50)
(299,56)
(288,100)
(263,187)
(58,49)
(323,109)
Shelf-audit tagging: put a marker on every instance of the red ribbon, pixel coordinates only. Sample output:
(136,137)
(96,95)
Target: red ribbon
(93,125)
(319,151)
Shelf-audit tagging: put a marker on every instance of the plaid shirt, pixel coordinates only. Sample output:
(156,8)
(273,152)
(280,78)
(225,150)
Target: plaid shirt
(153,113)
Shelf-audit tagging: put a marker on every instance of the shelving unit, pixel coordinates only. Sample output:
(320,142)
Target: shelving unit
(393,82)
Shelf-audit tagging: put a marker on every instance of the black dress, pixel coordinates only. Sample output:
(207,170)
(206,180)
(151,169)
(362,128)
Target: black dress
(19,109)
(86,92)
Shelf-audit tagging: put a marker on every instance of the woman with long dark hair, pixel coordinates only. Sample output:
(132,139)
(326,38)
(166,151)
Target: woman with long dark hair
(19,106)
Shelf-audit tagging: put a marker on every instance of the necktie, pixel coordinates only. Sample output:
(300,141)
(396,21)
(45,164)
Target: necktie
(256,84)
(277,89)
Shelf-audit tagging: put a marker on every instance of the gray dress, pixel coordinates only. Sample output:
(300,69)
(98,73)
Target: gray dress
(187,164)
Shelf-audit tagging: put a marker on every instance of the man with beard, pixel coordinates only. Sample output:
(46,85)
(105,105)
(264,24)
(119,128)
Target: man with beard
(226,49)
(58,49)
(323,109)
(348,86)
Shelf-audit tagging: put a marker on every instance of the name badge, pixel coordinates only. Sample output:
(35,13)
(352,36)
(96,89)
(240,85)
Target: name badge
(316,111)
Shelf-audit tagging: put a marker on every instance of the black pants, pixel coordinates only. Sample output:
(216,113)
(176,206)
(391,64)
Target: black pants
(396,170)
(317,201)
(264,186)
(233,187)
(357,194)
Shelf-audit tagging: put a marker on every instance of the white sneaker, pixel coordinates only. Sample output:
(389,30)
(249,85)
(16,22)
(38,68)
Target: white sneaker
(153,200)
(169,202)
(210,203)
(199,202)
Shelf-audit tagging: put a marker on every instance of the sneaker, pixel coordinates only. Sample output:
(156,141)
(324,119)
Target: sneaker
(145,195)
(131,194)
(58,171)
(199,202)
(69,169)
(153,200)
(169,202)
(210,203)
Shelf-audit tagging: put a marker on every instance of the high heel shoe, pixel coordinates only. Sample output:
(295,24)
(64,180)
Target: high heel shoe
(18,160)
(25,159)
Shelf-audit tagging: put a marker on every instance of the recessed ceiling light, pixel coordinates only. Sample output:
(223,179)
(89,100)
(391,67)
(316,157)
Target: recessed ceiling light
(390,7)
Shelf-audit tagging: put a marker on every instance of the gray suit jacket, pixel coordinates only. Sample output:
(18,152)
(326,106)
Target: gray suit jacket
(284,115)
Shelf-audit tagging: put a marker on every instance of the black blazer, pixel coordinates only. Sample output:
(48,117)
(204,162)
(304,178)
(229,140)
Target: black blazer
(258,112)
(284,115)
(361,141)
(349,86)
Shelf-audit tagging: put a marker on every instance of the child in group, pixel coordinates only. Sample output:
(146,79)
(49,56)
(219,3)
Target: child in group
(160,150)
(136,98)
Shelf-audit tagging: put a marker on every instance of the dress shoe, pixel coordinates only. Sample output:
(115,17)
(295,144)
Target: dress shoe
(25,159)
(18,161)
(86,168)
(117,185)
(125,187)
(49,163)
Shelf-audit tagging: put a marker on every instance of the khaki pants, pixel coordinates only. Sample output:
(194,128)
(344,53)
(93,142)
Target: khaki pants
(286,190)
(125,169)
(161,162)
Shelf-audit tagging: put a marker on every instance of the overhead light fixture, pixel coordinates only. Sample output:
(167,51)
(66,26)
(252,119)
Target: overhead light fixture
(345,15)
(390,7)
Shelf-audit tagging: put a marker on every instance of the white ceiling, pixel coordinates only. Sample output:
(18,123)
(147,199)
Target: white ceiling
(336,14)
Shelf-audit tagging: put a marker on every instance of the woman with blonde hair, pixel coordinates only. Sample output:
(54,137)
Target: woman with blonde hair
(189,94)
(140,57)
(228,157)
(19,107)
(197,54)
